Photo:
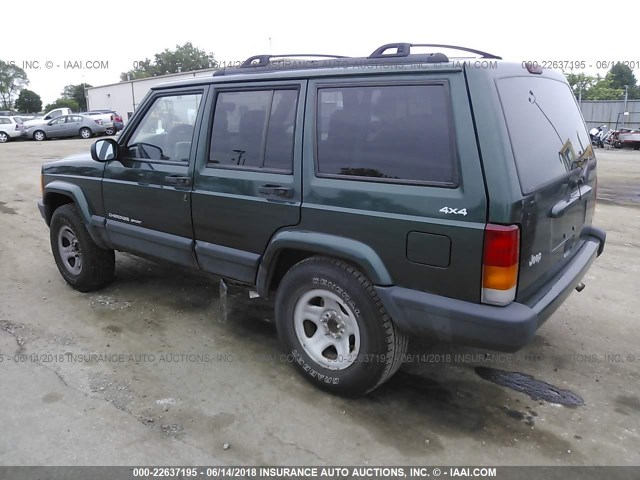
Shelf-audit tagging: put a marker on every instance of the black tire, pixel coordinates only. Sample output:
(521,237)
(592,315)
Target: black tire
(86,133)
(382,346)
(39,135)
(97,265)
(110,131)
(4,137)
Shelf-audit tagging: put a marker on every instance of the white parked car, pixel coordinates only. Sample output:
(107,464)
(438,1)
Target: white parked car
(55,113)
(10,128)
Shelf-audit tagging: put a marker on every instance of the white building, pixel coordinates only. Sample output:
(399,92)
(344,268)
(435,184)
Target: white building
(124,97)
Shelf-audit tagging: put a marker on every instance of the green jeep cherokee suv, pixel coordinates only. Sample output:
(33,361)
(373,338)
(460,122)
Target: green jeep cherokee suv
(378,199)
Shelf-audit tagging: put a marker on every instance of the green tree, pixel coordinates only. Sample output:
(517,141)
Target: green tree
(28,102)
(621,75)
(580,82)
(185,58)
(63,102)
(12,80)
(76,92)
(602,89)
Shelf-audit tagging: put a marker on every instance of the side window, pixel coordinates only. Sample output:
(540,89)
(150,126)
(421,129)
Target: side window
(166,130)
(58,121)
(400,132)
(4,121)
(254,129)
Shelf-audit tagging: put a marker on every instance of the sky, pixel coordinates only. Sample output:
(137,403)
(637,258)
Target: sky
(76,42)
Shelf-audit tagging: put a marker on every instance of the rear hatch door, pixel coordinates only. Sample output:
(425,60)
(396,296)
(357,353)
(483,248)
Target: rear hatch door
(557,172)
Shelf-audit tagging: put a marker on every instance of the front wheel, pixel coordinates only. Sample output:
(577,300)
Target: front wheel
(110,131)
(335,329)
(83,264)
(85,133)
(39,135)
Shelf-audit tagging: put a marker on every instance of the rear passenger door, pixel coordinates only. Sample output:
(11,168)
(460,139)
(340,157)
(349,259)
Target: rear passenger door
(72,125)
(247,183)
(393,163)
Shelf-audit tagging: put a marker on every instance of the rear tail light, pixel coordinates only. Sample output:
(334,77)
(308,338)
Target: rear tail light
(99,122)
(500,264)
(17,127)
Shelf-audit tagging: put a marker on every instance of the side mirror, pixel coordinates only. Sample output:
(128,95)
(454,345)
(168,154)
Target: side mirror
(104,150)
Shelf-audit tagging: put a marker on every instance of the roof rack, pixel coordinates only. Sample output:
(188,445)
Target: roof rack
(264,60)
(404,50)
(401,55)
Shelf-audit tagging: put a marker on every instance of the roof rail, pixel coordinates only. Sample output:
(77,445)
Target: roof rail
(264,60)
(404,50)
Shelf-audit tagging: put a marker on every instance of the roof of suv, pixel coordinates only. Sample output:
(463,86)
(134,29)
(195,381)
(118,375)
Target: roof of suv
(315,65)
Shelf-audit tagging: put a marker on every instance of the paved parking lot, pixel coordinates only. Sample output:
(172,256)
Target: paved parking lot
(147,370)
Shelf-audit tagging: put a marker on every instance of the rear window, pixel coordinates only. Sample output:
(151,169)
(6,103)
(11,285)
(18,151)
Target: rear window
(387,133)
(545,127)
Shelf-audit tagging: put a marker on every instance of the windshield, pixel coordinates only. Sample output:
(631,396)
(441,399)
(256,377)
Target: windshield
(547,132)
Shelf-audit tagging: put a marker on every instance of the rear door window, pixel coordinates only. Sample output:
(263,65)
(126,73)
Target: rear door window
(389,133)
(254,129)
(545,127)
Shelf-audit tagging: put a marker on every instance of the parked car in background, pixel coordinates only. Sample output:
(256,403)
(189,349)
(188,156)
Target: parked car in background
(67,126)
(50,115)
(10,128)
(629,139)
(110,119)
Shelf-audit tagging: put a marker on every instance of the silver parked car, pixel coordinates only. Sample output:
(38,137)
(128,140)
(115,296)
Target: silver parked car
(11,127)
(67,126)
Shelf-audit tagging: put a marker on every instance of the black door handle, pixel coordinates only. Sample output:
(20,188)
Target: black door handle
(276,191)
(178,181)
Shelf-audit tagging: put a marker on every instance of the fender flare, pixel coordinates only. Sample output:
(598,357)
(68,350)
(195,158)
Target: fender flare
(359,254)
(93,223)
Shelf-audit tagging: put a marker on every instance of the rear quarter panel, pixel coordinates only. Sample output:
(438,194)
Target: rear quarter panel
(390,217)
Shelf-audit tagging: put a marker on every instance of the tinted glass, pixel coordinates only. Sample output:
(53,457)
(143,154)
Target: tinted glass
(166,130)
(279,148)
(254,129)
(395,132)
(545,127)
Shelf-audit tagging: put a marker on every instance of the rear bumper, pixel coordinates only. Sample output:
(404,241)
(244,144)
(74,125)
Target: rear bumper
(506,328)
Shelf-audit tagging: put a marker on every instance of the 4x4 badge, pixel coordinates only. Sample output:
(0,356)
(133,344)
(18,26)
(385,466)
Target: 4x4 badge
(455,211)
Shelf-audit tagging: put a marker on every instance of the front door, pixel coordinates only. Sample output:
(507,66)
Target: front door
(248,185)
(56,128)
(147,190)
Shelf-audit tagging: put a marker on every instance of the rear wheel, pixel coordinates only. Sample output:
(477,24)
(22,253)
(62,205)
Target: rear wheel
(83,264)
(4,138)
(39,135)
(335,329)
(85,133)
